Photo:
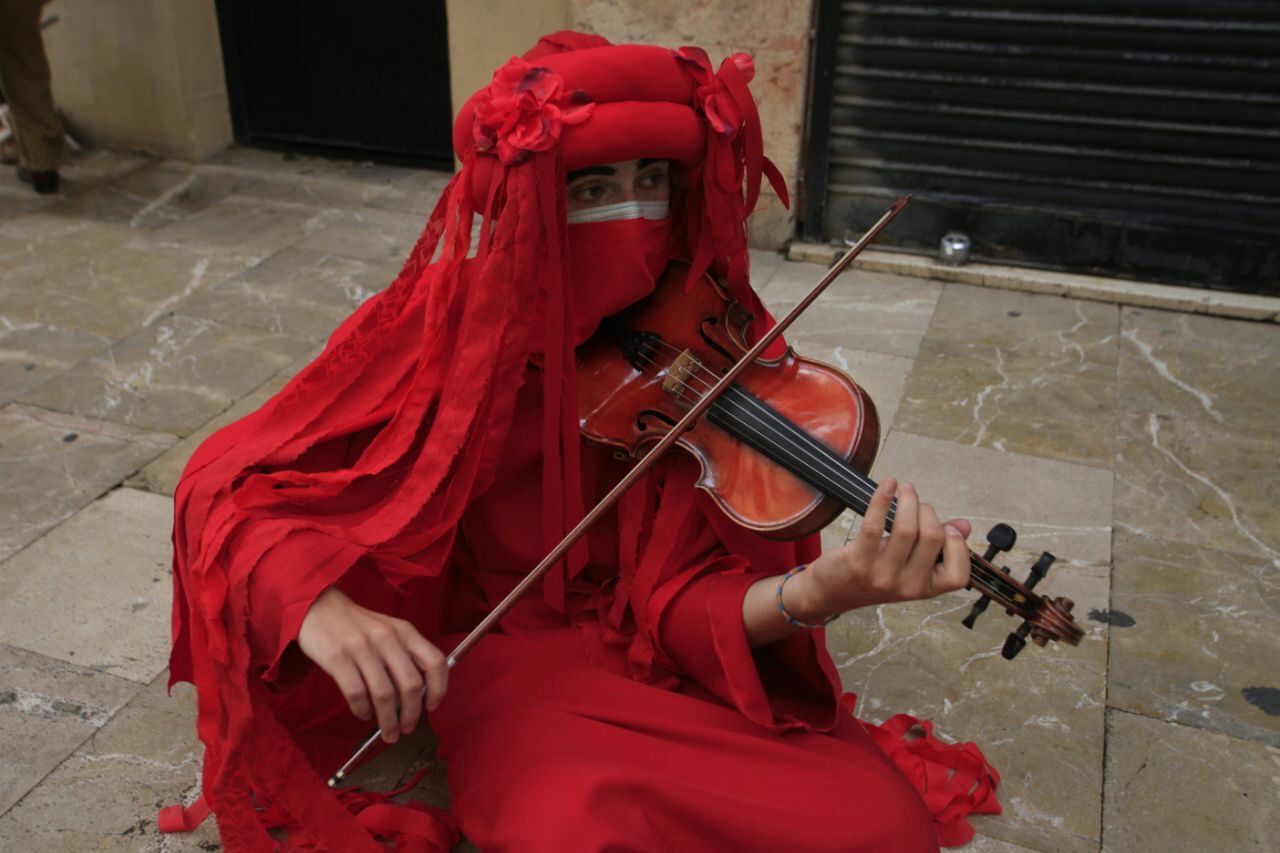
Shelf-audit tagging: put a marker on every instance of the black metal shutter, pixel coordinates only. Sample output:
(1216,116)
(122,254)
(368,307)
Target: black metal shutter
(1139,139)
(355,80)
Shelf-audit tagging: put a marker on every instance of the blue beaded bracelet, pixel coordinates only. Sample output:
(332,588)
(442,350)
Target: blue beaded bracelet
(782,608)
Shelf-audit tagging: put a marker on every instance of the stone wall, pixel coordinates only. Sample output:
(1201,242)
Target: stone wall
(484,34)
(776,34)
(143,76)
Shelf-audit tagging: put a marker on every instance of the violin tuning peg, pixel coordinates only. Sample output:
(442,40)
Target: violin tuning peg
(999,538)
(978,607)
(1016,642)
(1012,646)
(1040,569)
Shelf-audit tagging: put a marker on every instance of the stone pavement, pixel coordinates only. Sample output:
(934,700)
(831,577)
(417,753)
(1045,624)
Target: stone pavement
(154,301)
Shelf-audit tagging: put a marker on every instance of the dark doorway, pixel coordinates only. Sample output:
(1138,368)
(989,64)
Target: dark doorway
(1139,139)
(367,80)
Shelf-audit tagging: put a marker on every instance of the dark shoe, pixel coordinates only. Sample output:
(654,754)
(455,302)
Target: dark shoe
(43,182)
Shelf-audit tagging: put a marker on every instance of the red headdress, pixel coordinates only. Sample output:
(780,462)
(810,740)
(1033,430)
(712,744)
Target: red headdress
(375,449)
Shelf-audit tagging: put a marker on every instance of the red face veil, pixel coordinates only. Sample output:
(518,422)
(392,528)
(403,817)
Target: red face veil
(612,265)
(417,388)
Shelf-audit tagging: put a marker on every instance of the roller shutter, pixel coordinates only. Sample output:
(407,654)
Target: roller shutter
(1138,139)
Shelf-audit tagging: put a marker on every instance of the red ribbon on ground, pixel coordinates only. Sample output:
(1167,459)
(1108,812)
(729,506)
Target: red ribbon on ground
(955,780)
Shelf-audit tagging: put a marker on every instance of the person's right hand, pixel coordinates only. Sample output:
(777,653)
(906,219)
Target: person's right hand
(378,662)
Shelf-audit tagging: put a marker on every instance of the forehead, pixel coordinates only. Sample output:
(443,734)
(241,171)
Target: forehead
(620,167)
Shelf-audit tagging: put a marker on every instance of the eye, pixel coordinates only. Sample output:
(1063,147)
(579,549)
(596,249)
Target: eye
(654,178)
(587,193)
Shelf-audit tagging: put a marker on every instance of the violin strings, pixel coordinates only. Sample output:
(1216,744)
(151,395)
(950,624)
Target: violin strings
(984,576)
(860,487)
(864,487)
(988,578)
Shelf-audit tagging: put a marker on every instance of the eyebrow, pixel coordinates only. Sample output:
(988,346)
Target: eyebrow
(590,170)
(641,164)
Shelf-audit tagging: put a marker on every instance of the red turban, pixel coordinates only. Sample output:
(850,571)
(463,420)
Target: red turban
(418,386)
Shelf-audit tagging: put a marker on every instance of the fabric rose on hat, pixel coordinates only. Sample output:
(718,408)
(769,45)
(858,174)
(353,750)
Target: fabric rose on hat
(718,105)
(524,109)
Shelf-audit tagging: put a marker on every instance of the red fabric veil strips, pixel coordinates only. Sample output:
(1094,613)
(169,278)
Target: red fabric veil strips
(435,360)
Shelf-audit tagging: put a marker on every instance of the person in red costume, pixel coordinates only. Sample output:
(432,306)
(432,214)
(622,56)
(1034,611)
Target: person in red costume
(649,693)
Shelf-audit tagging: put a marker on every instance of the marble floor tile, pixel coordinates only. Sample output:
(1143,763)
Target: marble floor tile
(1038,718)
(981,395)
(33,353)
(16,198)
(874,312)
(1171,787)
(296,291)
(93,168)
(262,161)
(85,174)
(313,191)
(49,233)
(1069,336)
(1022,372)
(162,474)
(113,293)
(41,248)
(378,174)
(368,234)
(172,376)
(415,193)
(283,167)
(1054,506)
(1210,369)
(47,709)
(103,579)
(1202,640)
(247,228)
(53,464)
(765,264)
(147,757)
(148,197)
(1194,481)
(882,376)
(982,844)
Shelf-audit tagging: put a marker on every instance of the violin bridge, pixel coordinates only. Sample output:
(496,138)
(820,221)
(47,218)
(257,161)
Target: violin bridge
(680,375)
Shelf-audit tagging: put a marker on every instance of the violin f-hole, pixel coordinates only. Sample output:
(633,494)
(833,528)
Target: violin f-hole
(712,342)
(644,427)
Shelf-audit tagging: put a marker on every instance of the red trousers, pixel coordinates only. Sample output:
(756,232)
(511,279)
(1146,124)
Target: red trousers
(549,753)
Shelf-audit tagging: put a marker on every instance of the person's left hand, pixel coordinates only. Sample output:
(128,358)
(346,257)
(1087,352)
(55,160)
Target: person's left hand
(921,558)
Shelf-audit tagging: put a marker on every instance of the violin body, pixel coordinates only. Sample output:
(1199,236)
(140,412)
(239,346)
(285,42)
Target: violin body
(629,404)
(783,449)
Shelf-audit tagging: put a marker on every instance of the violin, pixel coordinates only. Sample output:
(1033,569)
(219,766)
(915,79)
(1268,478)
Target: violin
(784,449)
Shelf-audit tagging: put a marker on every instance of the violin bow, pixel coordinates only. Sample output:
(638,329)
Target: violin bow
(645,463)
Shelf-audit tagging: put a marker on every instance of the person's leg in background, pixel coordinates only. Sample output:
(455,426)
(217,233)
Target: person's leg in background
(24,76)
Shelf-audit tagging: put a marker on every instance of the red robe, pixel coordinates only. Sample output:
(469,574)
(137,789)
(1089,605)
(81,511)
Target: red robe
(607,727)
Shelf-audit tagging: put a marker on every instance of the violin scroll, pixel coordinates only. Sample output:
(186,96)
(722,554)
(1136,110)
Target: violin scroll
(1044,619)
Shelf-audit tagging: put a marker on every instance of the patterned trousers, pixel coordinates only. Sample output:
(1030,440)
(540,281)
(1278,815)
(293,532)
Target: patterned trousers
(24,78)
